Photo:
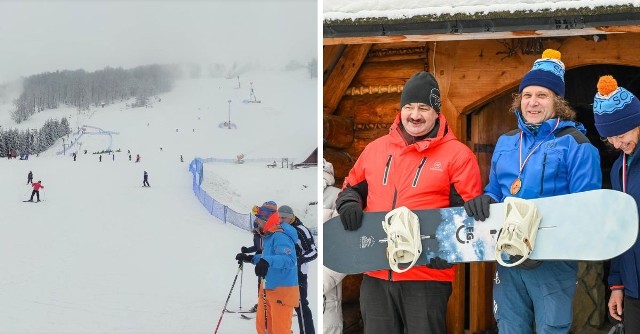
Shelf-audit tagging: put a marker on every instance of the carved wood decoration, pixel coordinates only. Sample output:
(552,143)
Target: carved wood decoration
(374,90)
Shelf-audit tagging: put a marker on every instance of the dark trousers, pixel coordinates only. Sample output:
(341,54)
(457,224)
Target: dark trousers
(305,320)
(404,306)
(631,315)
(37,193)
(145,183)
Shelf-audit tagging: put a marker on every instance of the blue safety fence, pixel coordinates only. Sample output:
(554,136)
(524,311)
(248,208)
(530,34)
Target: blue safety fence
(215,208)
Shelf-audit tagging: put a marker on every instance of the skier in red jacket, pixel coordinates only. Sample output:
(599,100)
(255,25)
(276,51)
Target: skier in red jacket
(36,190)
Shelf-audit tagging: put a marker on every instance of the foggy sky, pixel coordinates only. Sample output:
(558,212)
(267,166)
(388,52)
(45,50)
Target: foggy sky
(45,36)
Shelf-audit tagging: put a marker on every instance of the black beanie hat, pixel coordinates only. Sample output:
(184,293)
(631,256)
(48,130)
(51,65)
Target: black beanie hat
(422,87)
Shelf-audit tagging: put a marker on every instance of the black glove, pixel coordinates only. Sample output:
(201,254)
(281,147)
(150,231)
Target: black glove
(261,268)
(350,215)
(439,263)
(478,207)
(241,257)
(245,249)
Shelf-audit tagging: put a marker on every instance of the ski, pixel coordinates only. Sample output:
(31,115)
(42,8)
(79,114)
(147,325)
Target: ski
(246,317)
(239,311)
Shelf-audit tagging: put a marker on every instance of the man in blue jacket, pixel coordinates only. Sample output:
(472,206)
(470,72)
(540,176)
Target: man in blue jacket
(547,155)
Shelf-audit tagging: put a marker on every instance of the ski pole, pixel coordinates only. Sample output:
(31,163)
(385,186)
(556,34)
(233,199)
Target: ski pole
(301,317)
(241,276)
(228,297)
(264,301)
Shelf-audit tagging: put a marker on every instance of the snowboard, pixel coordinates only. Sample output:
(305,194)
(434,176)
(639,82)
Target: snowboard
(591,226)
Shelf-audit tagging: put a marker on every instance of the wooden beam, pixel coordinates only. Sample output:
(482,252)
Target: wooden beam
(481,297)
(342,163)
(337,131)
(455,307)
(330,56)
(340,78)
(477,36)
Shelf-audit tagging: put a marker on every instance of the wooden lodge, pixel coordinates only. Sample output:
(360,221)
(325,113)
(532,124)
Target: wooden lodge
(478,62)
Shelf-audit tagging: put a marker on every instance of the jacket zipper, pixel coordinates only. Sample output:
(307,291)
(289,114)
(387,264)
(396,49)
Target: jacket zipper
(415,179)
(544,165)
(385,177)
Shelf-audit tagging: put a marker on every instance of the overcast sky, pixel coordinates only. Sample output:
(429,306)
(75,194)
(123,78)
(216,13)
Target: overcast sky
(40,36)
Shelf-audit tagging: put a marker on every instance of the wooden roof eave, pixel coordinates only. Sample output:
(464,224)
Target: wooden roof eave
(491,26)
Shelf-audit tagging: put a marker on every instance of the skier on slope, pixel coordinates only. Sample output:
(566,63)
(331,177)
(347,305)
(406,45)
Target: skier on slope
(260,213)
(306,252)
(145,179)
(277,265)
(30,178)
(36,191)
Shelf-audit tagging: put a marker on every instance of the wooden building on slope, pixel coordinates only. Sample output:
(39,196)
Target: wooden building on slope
(478,60)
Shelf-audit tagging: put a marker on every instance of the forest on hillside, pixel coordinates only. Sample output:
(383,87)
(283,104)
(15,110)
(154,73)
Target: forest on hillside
(83,89)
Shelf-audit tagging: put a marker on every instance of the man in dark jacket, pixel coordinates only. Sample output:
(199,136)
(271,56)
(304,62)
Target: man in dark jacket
(30,177)
(306,251)
(145,179)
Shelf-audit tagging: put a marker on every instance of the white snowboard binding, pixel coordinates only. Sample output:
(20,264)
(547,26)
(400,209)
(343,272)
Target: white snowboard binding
(518,234)
(403,238)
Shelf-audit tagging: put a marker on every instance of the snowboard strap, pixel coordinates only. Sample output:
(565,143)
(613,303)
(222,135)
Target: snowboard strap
(518,234)
(403,238)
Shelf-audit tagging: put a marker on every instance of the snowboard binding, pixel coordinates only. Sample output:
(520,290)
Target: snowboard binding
(517,236)
(403,238)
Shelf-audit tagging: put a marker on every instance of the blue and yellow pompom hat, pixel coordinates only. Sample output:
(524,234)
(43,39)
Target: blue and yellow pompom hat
(265,210)
(548,72)
(615,109)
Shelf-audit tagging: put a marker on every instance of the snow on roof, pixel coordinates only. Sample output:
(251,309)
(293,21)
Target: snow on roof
(404,9)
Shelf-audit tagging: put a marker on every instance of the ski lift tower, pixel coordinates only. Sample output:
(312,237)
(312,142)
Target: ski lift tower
(252,96)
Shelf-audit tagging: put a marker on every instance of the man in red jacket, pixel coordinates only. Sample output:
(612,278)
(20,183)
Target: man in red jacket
(36,190)
(420,164)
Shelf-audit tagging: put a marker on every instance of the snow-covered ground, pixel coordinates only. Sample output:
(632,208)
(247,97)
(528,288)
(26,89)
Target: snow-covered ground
(101,254)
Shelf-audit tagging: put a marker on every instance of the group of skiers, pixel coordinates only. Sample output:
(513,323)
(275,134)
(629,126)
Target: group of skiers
(38,185)
(282,248)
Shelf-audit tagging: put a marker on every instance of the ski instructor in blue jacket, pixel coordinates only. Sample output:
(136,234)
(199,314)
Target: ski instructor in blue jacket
(547,155)
(617,118)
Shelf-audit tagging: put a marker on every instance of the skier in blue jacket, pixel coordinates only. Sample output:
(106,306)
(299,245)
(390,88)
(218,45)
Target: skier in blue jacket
(547,155)
(617,118)
(277,265)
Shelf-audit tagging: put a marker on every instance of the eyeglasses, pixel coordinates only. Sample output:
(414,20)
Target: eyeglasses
(611,139)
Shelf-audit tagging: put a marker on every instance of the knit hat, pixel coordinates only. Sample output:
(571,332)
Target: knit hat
(285,212)
(266,210)
(616,110)
(547,72)
(422,87)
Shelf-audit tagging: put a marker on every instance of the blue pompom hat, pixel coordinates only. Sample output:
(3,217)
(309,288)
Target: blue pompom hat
(615,109)
(547,72)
